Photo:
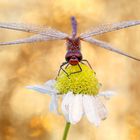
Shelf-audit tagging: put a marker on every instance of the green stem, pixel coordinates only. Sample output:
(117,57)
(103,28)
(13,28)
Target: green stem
(66,131)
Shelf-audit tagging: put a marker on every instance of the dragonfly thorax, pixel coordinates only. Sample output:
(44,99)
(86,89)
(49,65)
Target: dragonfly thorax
(73,55)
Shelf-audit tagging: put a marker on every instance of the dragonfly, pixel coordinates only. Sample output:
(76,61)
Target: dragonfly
(73,42)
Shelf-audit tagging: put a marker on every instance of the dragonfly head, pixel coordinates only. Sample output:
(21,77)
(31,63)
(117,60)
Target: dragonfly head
(73,58)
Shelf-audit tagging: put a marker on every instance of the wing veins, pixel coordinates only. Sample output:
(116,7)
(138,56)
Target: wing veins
(31,39)
(108,47)
(108,28)
(46,31)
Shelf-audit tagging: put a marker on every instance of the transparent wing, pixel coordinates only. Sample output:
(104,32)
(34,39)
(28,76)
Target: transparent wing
(108,47)
(46,31)
(34,38)
(108,28)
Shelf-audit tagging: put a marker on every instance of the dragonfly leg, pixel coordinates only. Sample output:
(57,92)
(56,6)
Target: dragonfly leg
(87,63)
(80,70)
(61,68)
(67,66)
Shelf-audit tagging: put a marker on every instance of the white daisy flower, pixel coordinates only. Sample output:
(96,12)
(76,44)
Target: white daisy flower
(80,95)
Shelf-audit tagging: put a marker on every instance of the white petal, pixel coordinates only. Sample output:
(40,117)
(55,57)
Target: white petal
(90,109)
(54,104)
(50,84)
(107,94)
(48,87)
(39,88)
(101,109)
(67,99)
(76,109)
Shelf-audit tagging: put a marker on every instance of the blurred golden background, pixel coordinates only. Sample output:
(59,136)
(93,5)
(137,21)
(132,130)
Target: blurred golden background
(24,114)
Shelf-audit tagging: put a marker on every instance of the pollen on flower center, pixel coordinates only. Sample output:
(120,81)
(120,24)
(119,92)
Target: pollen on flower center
(83,82)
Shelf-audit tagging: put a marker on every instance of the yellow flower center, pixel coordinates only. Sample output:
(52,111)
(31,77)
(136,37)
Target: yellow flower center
(83,82)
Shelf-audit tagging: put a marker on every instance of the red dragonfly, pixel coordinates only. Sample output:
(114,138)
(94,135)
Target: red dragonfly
(73,55)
